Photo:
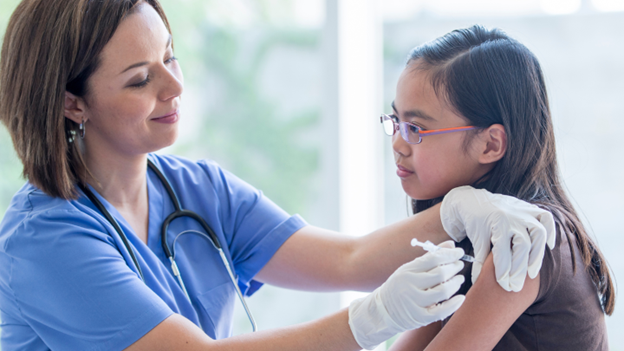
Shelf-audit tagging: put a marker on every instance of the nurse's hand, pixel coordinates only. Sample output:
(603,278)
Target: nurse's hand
(410,298)
(519,232)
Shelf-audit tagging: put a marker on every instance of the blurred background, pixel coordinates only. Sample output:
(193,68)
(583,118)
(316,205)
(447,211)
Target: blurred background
(286,95)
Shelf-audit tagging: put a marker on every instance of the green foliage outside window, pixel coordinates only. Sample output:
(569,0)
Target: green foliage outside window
(241,129)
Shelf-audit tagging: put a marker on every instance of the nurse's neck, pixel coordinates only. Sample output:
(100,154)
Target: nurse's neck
(122,181)
(119,184)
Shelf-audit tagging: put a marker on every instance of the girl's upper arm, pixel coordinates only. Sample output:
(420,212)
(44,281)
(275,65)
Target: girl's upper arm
(486,314)
(417,339)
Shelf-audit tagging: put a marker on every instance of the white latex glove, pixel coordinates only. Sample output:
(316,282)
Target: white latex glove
(518,230)
(410,298)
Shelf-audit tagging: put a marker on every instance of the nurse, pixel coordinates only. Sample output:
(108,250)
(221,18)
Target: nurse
(88,90)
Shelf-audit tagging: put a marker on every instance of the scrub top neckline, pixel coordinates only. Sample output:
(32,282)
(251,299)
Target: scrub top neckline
(155,192)
(130,233)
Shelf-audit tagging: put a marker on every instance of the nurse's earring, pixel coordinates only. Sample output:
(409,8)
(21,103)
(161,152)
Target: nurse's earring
(81,128)
(71,136)
(74,112)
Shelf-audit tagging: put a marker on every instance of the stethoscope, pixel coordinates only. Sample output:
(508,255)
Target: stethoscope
(178,213)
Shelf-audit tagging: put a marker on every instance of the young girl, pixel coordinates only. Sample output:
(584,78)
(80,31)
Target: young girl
(484,93)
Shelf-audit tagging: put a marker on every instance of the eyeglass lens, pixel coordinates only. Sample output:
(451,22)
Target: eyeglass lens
(388,125)
(410,133)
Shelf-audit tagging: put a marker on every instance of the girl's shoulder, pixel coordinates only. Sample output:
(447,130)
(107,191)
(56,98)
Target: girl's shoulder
(566,314)
(564,280)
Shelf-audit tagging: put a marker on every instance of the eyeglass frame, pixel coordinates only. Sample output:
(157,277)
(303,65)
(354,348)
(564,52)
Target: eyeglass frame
(402,128)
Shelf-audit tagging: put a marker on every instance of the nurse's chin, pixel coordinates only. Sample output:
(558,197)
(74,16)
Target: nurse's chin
(162,141)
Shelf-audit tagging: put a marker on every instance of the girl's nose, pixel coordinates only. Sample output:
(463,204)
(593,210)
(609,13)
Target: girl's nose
(400,146)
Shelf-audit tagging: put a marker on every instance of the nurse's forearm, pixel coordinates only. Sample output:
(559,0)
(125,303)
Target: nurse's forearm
(178,333)
(380,253)
(317,259)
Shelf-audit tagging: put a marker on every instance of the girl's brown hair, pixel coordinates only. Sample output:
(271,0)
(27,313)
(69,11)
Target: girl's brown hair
(490,78)
(51,47)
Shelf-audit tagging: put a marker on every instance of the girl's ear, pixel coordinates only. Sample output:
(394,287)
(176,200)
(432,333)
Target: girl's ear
(494,139)
(74,108)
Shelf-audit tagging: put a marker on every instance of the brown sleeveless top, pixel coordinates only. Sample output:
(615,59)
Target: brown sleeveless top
(566,315)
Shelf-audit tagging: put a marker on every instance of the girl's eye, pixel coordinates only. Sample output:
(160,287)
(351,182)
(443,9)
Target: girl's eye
(173,58)
(413,129)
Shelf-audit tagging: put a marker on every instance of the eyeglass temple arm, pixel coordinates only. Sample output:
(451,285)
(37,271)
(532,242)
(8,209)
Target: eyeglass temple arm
(444,131)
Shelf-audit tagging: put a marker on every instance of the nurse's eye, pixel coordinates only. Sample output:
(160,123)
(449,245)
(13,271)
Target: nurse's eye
(394,118)
(142,83)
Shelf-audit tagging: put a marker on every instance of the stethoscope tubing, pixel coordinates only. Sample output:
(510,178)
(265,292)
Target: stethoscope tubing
(226,264)
(170,253)
(113,222)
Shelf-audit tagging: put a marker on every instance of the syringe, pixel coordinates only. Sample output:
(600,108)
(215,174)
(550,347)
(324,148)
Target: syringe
(431,247)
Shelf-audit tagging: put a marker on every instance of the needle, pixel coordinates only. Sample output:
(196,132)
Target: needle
(431,247)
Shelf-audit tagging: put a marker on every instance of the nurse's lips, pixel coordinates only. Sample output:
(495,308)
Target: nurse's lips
(403,172)
(169,118)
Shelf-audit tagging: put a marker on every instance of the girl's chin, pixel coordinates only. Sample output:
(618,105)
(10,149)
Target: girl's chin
(422,194)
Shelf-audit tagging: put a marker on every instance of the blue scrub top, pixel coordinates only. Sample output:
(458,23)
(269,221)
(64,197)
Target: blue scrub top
(67,281)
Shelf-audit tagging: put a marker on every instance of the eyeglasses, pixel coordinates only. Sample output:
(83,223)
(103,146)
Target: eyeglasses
(412,133)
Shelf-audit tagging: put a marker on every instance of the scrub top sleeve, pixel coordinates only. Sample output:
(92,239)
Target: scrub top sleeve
(254,227)
(92,300)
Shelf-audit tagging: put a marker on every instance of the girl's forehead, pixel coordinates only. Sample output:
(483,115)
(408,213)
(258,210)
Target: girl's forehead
(417,98)
(414,91)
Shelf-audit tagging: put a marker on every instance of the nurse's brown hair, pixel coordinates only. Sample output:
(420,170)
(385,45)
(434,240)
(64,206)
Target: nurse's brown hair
(50,47)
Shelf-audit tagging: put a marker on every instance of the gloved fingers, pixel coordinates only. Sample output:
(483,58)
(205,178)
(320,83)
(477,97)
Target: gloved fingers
(502,251)
(444,309)
(481,252)
(547,220)
(449,244)
(538,246)
(519,262)
(482,248)
(457,205)
(450,217)
(431,260)
(437,275)
(439,292)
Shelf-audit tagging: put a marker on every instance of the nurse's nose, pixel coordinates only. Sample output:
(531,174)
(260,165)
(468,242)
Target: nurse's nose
(172,84)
